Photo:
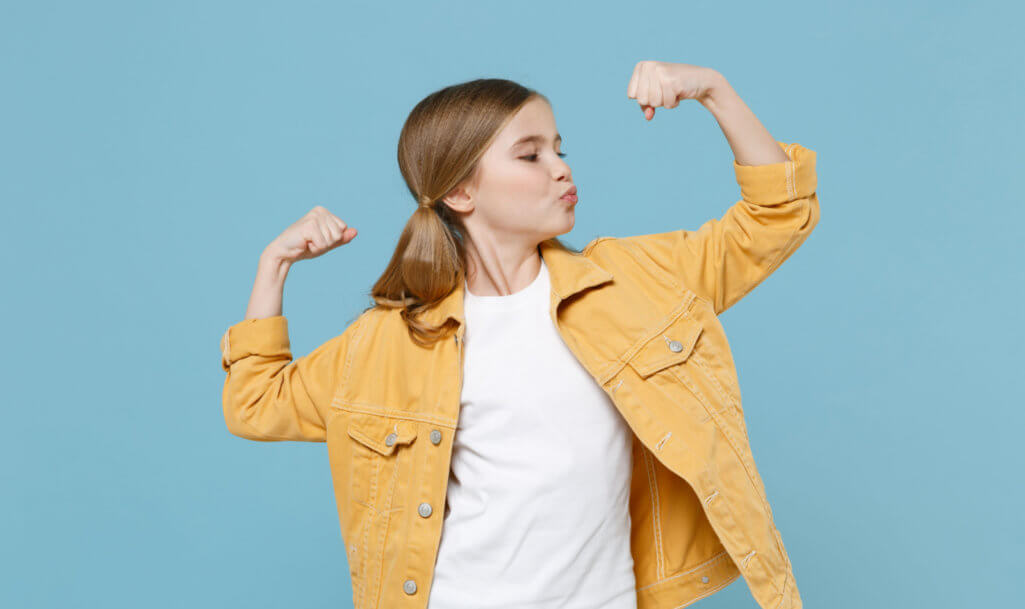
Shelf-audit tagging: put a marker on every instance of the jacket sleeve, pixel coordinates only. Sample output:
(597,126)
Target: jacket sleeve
(268,396)
(727,257)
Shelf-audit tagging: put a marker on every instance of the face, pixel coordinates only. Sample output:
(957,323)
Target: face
(516,197)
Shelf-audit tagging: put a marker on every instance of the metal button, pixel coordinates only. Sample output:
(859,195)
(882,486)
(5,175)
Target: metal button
(425,509)
(390,440)
(435,436)
(704,579)
(676,346)
(409,586)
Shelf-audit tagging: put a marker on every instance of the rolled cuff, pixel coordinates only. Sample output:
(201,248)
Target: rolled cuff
(778,182)
(266,336)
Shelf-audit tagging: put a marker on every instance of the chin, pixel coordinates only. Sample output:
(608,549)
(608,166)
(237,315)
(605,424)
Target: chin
(561,225)
(567,225)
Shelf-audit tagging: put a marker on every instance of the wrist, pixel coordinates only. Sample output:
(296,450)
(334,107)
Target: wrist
(719,93)
(274,261)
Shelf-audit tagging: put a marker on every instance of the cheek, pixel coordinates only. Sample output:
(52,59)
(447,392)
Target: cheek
(520,191)
(534,184)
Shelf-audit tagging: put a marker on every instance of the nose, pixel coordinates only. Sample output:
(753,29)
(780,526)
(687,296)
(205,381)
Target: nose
(562,171)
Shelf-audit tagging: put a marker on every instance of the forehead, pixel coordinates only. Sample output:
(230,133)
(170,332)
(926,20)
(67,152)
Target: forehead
(535,118)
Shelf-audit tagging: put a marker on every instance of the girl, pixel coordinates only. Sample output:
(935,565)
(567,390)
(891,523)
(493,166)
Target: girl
(550,481)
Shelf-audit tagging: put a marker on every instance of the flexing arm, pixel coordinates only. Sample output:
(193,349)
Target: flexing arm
(727,257)
(267,396)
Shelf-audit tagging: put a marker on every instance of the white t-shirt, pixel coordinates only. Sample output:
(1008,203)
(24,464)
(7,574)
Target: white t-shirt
(537,515)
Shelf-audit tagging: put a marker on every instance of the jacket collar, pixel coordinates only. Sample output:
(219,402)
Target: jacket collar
(569,273)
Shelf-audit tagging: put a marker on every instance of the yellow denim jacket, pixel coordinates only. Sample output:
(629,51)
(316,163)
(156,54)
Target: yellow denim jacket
(640,313)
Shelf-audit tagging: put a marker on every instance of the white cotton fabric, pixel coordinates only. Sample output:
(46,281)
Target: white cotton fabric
(537,514)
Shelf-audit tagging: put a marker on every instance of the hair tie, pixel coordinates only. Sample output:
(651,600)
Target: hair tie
(425,201)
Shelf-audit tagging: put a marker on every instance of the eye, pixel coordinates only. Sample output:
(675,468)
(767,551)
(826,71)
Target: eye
(533,157)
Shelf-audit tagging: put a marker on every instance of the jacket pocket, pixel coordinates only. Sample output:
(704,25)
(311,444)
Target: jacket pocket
(380,458)
(684,350)
(670,347)
(380,466)
(381,434)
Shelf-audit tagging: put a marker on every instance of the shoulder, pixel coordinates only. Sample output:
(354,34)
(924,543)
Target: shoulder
(642,261)
(369,318)
(596,242)
(614,252)
(377,323)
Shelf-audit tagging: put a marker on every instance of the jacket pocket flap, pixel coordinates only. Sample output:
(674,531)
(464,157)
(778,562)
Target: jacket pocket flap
(380,433)
(671,346)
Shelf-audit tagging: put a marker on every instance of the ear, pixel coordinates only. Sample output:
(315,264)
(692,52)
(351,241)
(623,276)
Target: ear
(460,199)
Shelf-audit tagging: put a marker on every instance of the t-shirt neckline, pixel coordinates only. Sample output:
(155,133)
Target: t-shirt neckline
(510,300)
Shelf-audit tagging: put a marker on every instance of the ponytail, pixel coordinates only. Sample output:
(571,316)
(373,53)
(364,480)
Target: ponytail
(426,266)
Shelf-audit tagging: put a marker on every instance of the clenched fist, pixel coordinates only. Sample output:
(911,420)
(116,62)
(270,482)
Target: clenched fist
(316,233)
(659,83)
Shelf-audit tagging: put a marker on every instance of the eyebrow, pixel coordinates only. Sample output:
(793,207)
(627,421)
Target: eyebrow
(534,138)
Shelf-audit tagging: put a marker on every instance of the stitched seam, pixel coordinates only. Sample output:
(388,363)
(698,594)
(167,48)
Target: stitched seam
(574,348)
(674,316)
(782,550)
(651,413)
(793,236)
(733,442)
(662,442)
(593,243)
(655,366)
(793,168)
(783,250)
(417,457)
(656,515)
(783,595)
(709,592)
(384,530)
(377,511)
(359,331)
(705,369)
(354,557)
(688,293)
(350,350)
(703,364)
(383,411)
(611,370)
(703,565)
(712,410)
(366,533)
(729,512)
(632,250)
(372,444)
(707,301)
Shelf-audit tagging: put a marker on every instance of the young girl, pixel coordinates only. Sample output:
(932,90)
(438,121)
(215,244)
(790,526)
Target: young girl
(575,415)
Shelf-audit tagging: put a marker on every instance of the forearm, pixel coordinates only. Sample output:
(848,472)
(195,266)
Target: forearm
(268,287)
(751,142)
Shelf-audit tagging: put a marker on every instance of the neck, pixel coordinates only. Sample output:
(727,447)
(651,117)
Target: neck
(495,269)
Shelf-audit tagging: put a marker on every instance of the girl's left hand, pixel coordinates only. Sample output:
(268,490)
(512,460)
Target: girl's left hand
(659,83)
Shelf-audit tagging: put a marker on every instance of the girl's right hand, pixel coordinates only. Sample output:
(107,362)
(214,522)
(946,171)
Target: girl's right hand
(316,233)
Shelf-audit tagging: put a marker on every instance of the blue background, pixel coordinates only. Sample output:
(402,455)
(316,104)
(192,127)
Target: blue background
(149,152)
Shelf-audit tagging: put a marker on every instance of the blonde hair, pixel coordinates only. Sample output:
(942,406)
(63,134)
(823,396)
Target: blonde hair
(440,147)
